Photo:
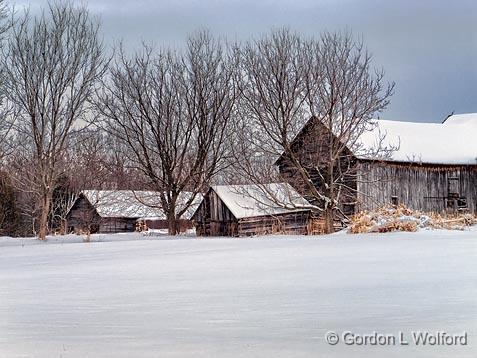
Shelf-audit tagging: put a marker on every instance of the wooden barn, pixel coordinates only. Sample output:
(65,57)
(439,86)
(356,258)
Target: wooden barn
(113,211)
(433,167)
(244,210)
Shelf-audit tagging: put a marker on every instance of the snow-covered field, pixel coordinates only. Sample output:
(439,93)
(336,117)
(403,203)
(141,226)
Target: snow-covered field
(130,296)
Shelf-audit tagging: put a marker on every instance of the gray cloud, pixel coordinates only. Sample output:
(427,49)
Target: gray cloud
(429,48)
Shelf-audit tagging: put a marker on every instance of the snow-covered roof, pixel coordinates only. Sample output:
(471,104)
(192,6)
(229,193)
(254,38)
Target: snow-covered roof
(135,204)
(451,142)
(246,201)
(466,118)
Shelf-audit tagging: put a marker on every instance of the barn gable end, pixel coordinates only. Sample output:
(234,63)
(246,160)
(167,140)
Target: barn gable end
(83,216)
(310,147)
(213,217)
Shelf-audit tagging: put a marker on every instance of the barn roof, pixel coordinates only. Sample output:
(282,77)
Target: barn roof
(466,118)
(246,201)
(134,204)
(452,142)
(449,143)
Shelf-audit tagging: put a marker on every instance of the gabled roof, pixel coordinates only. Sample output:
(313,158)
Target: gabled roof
(452,142)
(245,201)
(134,204)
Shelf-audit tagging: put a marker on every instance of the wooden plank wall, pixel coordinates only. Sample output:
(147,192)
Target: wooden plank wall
(213,218)
(82,215)
(294,223)
(183,224)
(421,187)
(114,225)
(311,148)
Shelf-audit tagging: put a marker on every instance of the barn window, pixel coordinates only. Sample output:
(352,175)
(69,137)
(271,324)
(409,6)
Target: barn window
(462,203)
(394,200)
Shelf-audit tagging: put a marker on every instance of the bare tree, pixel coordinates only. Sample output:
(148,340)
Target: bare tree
(344,94)
(51,64)
(172,110)
(272,96)
(102,159)
(287,81)
(6,122)
(272,109)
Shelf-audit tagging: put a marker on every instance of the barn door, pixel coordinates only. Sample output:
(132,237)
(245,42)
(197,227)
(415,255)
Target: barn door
(454,199)
(453,187)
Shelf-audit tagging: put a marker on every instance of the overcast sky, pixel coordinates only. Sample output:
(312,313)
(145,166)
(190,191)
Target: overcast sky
(429,48)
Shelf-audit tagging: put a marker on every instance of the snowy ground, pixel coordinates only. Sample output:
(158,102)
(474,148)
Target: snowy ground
(130,296)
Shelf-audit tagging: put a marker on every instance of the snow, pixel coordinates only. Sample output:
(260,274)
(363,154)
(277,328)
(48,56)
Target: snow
(250,200)
(465,118)
(136,204)
(453,142)
(272,296)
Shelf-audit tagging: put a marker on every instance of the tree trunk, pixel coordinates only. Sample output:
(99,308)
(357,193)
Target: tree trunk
(45,210)
(172,223)
(64,227)
(329,222)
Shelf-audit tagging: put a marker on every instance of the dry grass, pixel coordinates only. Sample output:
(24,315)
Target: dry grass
(401,218)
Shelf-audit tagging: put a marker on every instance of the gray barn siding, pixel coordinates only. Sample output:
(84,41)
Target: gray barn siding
(115,225)
(182,224)
(294,223)
(423,187)
(213,218)
(83,215)
(311,148)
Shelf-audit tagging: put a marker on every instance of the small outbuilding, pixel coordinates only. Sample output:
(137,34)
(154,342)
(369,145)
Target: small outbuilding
(243,210)
(113,211)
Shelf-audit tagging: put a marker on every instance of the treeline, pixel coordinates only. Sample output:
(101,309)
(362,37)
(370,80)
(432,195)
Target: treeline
(168,120)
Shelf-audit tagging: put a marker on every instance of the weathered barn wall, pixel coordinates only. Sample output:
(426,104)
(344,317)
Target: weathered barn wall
(182,224)
(213,218)
(430,188)
(347,187)
(114,225)
(294,223)
(83,216)
(311,148)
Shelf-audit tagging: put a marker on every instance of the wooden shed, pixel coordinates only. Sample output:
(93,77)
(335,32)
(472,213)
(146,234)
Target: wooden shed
(433,169)
(244,210)
(113,211)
